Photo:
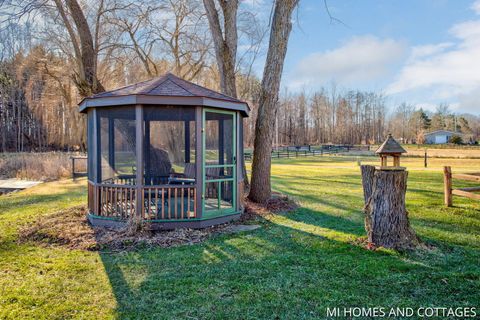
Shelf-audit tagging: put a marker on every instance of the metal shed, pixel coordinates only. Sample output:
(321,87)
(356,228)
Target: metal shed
(166,151)
(440,136)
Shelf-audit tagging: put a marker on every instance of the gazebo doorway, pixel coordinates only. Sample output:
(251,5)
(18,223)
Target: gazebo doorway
(219,162)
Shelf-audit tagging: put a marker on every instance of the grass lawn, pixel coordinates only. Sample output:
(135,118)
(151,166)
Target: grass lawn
(294,267)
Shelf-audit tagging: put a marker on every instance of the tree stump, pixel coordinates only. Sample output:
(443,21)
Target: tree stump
(386,218)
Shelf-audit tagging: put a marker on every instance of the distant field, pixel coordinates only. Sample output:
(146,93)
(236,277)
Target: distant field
(38,165)
(444,151)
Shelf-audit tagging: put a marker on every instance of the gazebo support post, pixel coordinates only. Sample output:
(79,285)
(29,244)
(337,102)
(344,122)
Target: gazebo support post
(111,143)
(199,161)
(96,161)
(147,149)
(139,126)
(239,163)
(221,143)
(187,141)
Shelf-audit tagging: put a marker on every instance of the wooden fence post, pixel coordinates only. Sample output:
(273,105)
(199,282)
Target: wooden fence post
(73,167)
(447,181)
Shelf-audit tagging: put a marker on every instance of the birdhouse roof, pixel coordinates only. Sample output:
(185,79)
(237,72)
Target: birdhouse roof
(390,146)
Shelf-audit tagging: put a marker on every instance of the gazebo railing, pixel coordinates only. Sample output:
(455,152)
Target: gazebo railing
(117,201)
(169,202)
(124,179)
(160,202)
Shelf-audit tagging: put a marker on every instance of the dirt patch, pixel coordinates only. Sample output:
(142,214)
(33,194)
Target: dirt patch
(70,229)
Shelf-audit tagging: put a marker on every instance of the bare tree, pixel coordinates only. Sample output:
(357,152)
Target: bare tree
(260,189)
(132,23)
(83,44)
(225,40)
(183,36)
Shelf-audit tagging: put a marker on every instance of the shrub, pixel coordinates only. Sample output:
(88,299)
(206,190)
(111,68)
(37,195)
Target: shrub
(456,140)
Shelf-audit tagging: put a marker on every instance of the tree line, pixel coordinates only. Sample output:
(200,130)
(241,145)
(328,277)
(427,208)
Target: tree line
(342,116)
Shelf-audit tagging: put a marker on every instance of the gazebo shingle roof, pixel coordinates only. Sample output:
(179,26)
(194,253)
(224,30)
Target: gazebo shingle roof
(164,87)
(390,145)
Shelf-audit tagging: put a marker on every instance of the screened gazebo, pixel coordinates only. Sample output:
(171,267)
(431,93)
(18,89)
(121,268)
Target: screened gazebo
(167,151)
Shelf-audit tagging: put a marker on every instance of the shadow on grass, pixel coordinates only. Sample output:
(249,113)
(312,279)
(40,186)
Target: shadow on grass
(295,266)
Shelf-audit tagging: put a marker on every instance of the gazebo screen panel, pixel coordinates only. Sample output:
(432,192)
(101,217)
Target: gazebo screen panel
(169,145)
(219,162)
(219,138)
(90,146)
(117,151)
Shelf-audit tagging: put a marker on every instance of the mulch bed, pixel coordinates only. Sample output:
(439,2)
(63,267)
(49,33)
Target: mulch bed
(70,229)
(278,204)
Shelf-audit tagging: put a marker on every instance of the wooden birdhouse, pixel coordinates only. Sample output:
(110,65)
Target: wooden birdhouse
(390,148)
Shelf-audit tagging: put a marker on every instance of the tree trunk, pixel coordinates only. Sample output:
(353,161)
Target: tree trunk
(226,52)
(260,188)
(86,79)
(368,173)
(225,42)
(386,218)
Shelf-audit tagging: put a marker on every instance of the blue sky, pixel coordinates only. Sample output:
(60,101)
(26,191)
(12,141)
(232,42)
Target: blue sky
(421,52)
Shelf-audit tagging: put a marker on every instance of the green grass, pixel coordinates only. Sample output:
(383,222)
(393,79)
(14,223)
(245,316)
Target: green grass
(293,267)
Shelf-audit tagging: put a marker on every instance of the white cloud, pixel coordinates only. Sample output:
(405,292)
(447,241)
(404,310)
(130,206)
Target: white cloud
(470,102)
(476,7)
(429,49)
(448,71)
(363,58)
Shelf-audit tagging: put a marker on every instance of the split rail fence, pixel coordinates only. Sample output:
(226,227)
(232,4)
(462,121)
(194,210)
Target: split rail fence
(308,151)
(467,192)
